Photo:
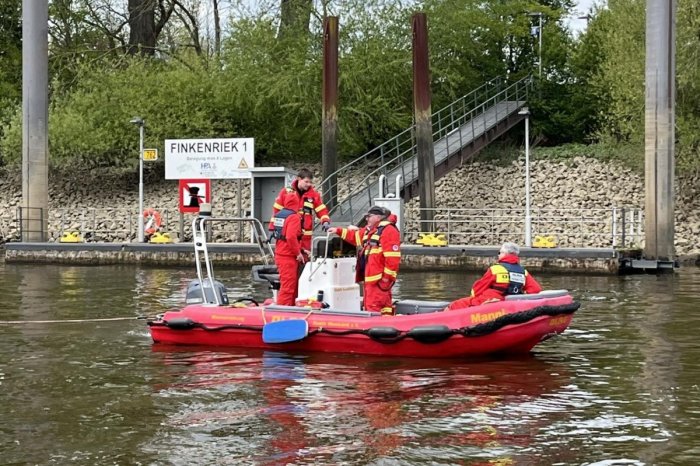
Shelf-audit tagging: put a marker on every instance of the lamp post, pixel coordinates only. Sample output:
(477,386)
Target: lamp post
(538,14)
(528,219)
(141,124)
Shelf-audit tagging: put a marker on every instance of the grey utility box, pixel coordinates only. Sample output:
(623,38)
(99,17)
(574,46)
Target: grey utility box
(266,184)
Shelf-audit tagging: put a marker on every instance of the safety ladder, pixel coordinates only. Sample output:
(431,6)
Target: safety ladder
(200,232)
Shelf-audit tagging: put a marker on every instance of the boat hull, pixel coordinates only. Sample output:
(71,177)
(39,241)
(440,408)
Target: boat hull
(509,327)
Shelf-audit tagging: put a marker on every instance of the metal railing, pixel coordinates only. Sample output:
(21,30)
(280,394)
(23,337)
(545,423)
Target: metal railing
(617,227)
(119,225)
(461,121)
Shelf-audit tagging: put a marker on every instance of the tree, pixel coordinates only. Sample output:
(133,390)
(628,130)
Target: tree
(145,24)
(295,16)
(10,51)
(10,61)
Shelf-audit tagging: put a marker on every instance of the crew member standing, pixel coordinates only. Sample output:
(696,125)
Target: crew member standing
(308,204)
(378,258)
(288,256)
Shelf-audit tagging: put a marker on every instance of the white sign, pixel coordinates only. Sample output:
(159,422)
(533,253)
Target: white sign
(208,158)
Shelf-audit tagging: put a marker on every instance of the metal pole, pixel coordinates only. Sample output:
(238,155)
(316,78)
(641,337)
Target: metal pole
(540,46)
(35,97)
(140,221)
(329,130)
(659,129)
(425,152)
(528,219)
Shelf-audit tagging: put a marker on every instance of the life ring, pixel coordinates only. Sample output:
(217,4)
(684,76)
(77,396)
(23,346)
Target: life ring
(152,221)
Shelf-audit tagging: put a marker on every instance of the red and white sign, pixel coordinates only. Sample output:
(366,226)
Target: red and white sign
(193,193)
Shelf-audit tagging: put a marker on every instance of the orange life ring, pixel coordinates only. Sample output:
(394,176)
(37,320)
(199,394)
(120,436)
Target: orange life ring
(152,221)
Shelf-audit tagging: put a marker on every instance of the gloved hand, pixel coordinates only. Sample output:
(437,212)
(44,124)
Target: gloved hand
(334,230)
(325,226)
(385,283)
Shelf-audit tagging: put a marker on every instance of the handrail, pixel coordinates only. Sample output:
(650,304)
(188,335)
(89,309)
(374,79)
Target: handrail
(199,240)
(398,152)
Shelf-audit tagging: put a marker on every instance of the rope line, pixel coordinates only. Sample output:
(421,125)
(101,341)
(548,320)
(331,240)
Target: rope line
(71,321)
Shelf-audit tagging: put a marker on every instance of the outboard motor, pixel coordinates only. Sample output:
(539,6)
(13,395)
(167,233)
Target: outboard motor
(194,293)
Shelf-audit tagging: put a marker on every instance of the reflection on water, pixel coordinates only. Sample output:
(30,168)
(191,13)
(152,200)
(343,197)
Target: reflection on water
(619,387)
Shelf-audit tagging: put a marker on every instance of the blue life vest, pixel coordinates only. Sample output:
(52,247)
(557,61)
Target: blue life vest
(278,222)
(510,278)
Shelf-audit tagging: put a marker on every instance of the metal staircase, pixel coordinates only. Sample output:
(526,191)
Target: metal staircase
(460,130)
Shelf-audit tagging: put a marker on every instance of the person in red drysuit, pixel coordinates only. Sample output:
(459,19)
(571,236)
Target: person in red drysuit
(288,255)
(507,277)
(378,258)
(308,203)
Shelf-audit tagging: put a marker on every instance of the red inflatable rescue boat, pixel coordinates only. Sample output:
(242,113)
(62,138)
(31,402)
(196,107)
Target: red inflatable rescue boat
(338,325)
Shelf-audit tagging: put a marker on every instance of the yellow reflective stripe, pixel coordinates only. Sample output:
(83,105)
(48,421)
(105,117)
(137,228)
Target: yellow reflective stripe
(357,237)
(387,311)
(308,233)
(375,251)
(325,218)
(320,207)
(392,254)
(373,278)
(390,272)
(277,206)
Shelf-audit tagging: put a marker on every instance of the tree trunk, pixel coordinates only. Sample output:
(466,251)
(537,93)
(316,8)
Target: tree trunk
(217,29)
(142,35)
(295,16)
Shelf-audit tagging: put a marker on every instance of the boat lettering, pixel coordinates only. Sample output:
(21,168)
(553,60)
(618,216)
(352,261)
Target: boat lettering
(330,323)
(224,317)
(344,288)
(487,317)
(559,320)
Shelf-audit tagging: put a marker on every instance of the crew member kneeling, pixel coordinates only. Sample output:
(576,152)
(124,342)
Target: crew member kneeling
(504,278)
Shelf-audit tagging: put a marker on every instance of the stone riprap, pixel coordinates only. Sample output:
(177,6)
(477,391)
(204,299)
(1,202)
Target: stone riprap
(479,203)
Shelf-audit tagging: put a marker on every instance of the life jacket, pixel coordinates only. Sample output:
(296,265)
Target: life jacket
(510,278)
(278,222)
(363,255)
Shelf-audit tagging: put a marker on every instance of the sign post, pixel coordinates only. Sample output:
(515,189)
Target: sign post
(140,122)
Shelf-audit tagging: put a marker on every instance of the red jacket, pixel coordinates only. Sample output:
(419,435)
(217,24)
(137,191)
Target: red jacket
(380,253)
(309,204)
(495,279)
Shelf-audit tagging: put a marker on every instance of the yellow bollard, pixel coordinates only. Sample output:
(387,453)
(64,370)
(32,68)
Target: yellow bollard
(70,237)
(160,238)
(431,239)
(544,242)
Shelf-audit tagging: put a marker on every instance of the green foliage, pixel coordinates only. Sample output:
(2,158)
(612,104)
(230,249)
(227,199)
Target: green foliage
(90,126)
(269,87)
(10,61)
(610,61)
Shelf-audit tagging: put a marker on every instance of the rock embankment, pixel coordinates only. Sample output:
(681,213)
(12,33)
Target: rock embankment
(573,201)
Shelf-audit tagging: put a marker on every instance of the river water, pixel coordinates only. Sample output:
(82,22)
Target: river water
(621,386)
